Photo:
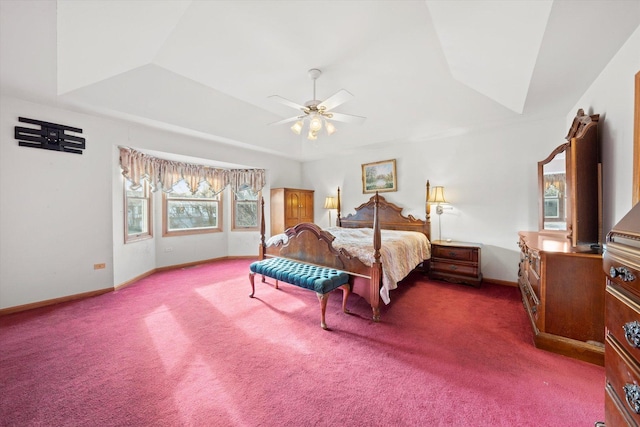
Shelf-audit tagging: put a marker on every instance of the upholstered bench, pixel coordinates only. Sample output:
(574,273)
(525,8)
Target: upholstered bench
(321,280)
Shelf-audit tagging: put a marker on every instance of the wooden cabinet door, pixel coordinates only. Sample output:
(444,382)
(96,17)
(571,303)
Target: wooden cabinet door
(306,206)
(292,206)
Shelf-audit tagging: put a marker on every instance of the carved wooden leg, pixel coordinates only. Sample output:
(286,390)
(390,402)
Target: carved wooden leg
(376,313)
(277,284)
(376,273)
(253,287)
(346,290)
(323,298)
(263,280)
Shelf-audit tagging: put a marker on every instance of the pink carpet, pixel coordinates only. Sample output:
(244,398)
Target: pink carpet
(190,348)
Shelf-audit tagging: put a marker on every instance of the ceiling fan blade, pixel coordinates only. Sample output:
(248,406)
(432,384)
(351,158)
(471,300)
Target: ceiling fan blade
(287,102)
(347,118)
(336,99)
(290,119)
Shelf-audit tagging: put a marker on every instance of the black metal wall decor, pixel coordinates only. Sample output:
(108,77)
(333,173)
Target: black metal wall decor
(50,136)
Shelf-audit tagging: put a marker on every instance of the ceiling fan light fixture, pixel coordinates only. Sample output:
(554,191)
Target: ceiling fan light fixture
(315,124)
(329,127)
(316,113)
(297,127)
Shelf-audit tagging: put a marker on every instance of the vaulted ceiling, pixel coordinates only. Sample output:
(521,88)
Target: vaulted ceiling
(418,70)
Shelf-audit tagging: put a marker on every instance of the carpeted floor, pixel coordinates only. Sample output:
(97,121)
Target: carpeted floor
(190,348)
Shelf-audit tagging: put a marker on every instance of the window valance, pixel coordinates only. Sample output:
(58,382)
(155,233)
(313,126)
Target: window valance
(164,174)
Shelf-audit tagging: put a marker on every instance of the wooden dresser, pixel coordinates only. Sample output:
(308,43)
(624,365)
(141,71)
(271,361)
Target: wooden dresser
(622,314)
(456,262)
(563,289)
(290,206)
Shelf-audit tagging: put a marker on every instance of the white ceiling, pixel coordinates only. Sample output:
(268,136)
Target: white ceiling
(419,70)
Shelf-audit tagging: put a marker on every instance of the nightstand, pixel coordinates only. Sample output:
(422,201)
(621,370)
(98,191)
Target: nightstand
(456,262)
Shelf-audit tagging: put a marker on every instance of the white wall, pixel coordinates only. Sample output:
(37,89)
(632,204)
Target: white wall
(612,96)
(62,213)
(490,180)
(56,210)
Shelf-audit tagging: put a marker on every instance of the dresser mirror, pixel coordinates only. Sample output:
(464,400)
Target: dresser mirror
(554,191)
(569,185)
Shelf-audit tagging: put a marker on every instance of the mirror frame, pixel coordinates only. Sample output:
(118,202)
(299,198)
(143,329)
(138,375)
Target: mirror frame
(567,214)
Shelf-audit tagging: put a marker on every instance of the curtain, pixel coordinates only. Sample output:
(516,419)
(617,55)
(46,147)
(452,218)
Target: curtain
(164,174)
(254,178)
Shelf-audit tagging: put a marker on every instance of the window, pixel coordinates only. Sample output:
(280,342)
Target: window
(137,221)
(246,213)
(187,213)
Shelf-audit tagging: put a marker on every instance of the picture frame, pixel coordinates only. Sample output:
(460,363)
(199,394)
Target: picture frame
(379,176)
(636,144)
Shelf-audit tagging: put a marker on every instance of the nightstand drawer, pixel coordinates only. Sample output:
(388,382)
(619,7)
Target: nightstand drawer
(456,262)
(459,268)
(457,253)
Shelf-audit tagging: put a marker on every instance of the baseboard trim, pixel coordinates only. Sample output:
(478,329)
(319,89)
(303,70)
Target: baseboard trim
(83,295)
(38,304)
(500,282)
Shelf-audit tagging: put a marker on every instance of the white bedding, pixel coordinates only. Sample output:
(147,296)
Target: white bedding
(400,252)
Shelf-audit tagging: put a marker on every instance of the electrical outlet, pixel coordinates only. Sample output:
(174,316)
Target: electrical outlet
(168,249)
(99,266)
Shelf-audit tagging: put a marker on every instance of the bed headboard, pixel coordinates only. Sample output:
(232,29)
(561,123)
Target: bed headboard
(389,215)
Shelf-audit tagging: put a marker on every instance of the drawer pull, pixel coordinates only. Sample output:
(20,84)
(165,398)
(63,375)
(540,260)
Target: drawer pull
(632,394)
(623,273)
(632,333)
(453,267)
(452,254)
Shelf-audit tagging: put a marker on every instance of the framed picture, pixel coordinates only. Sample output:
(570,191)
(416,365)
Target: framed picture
(379,176)
(636,147)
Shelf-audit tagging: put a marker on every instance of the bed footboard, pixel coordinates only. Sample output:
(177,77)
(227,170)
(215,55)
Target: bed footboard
(309,243)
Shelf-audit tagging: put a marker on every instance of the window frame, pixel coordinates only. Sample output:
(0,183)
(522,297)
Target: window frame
(234,226)
(166,197)
(148,196)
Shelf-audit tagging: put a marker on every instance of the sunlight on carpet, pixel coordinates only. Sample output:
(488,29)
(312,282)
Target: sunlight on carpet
(170,341)
(201,392)
(270,326)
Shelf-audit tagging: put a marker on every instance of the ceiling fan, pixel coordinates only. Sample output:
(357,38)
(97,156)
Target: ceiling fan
(317,114)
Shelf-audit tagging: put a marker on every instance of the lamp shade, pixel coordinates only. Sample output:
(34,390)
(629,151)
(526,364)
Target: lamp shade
(437,195)
(330,203)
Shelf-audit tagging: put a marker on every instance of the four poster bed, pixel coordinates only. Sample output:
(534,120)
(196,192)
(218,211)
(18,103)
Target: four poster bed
(377,246)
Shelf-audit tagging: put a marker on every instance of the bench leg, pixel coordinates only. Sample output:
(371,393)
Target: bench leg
(346,290)
(253,287)
(264,281)
(323,298)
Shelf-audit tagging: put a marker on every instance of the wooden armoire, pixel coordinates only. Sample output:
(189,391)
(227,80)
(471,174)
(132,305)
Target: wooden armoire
(290,206)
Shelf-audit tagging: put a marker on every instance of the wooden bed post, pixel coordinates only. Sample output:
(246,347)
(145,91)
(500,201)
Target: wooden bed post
(376,267)
(262,242)
(426,204)
(338,222)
